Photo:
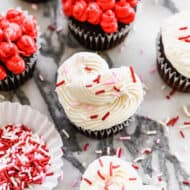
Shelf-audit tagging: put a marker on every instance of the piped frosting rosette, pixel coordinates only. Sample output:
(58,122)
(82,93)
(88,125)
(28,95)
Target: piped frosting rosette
(112,173)
(94,97)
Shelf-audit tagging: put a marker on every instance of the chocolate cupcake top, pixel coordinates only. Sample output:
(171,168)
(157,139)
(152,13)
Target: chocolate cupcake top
(112,173)
(18,35)
(175,33)
(95,97)
(106,13)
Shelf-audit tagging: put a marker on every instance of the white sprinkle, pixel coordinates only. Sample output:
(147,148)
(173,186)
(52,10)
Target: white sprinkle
(108,150)
(139,158)
(41,77)
(98,151)
(154,132)
(186,110)
(125,138)
(61,176)
(157,141)
(2,97)
(65,133)
(184,126)
(163,87)
(34,7)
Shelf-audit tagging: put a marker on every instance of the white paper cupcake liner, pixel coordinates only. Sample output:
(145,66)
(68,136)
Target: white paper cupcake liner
(14,113)
(168,73)
(105,132)
(98,41)
(14,81)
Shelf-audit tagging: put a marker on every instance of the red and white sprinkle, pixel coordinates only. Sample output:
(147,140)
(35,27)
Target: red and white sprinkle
(65,133)
(86,146)
(119,152)
(125,138)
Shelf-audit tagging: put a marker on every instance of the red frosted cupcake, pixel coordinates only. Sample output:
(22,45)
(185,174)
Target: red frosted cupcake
(18,48)
(100,24)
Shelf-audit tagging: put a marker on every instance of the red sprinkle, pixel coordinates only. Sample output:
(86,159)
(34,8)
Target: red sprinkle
(87,181)
(50,174)
(119,152)
(100,92)
(101,163)
(88,86)
(136,167)
(184,37)
(88,68)
(115,166)
(105,116)
(60,83)
(97,80)
(186,182)
(183,28)
(116,89)
(172,121)
(86,146)
(160,178)
(51,28)
(147,151)
(111,171)
(93,116)
(133,74)
(182,134)
(132,179)
(186,123)
(172,92)
(100,175)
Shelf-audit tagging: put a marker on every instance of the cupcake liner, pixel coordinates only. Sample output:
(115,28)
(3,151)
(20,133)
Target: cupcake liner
(100,134)
(36,1)
(14,113)
(13,81)
(96,40)
(168,73)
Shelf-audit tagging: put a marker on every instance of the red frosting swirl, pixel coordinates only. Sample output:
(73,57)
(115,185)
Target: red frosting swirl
(1,35)
(27,45)
(30,28)
(15,64)
(109,22)
(12,32)
(124,12)
(15,16)
(106,4)
(7,50)
(3,74)
(3,22)
(133,3)
(93,13)
(67,7)
(79,10)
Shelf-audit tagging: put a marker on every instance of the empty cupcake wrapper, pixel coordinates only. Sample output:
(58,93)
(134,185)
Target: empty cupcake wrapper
(14,113)
(99,41)
(105,132)
(168,73)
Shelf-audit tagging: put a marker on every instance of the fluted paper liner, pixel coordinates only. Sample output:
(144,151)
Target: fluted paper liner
(14,113)
(168,73)
(98,41)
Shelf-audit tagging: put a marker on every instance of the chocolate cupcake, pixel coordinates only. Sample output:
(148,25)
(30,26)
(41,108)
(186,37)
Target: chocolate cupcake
(18,48)
(112,173)
(173,47)
(99,101)
(100,24)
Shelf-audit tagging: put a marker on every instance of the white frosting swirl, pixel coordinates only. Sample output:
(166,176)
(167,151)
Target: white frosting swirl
(177,51)
(123,176)
(95,97)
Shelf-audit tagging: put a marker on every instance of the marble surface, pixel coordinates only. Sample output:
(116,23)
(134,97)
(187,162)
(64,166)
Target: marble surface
(170,157)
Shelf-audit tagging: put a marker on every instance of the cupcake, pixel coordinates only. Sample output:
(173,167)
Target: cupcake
(112,173)
(100,24)
(173,47)
(36,1)
(99,101)
(18,48)
(30,149)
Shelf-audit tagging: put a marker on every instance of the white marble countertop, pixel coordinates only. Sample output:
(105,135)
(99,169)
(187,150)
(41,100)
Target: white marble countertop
(138,50)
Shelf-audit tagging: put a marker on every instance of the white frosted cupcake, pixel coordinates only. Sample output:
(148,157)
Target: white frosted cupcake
(99,101)
(173,47)
(112,173)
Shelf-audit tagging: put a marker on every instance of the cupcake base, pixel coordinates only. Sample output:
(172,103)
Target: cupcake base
(92,37)
(106,132)
(14,81)
(168,73)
